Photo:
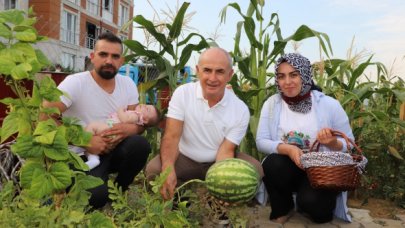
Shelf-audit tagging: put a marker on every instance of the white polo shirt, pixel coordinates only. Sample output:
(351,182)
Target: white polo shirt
(205,128)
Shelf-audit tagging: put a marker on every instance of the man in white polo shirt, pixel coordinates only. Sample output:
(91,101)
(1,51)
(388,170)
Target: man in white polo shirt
(205,123)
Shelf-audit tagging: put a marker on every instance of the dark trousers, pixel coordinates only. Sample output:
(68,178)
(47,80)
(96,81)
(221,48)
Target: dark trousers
(127,160)
(282,177)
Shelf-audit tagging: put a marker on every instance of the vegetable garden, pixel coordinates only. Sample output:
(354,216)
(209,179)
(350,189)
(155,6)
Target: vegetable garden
(34,177)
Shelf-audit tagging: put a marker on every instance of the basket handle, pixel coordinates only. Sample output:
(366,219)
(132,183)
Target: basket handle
(357,157)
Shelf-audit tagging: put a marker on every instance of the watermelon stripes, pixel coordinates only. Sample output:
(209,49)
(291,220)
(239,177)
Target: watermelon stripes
(232,180)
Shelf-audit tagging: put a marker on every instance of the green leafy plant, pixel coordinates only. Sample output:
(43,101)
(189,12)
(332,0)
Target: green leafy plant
(144,207)
(49,167)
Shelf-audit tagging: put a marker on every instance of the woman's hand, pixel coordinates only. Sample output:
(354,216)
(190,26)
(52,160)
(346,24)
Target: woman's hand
(325,137)
(293,152)
(295,155)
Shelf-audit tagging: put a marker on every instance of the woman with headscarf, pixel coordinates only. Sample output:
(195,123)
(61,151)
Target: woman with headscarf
(289,122)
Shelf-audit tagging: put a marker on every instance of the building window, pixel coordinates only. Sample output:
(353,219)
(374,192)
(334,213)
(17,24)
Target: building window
(74,1)
(109,5)
(68,28)
(68,61)
(108,9)
(93,7)
(92,34)
(10,4)
(123,15)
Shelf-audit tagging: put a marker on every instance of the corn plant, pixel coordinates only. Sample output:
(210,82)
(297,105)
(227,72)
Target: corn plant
(364,102)
(253,82)
(373,108)
(168,58)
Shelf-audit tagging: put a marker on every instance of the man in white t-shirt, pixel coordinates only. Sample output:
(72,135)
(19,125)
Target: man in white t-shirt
(93,96)
(205,123)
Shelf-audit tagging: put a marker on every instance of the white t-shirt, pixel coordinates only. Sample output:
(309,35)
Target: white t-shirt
(205,128)
(299,122)
(88,102)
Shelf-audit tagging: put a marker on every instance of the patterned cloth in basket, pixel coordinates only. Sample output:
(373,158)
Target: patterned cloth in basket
(331,158)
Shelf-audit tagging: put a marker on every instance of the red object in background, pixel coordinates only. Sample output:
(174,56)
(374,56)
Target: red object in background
(5,90)
(164,97)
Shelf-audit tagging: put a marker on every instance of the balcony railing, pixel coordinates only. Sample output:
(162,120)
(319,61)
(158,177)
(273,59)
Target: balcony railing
(90,42)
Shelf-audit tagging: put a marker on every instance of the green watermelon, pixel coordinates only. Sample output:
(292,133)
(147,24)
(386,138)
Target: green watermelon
(232,180)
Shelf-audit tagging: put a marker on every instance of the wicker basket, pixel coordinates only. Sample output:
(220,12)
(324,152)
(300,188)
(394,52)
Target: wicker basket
(338,177)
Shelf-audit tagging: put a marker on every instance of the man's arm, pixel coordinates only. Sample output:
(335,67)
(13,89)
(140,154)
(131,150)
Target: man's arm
(169,152)
(226,150)
(57,104)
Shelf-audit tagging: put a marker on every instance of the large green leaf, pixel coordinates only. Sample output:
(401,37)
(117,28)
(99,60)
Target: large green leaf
(243,66)
(5,31)
(24,121)
(83,182)
(357,73)
(9,127)
(21,28)
(59,149)
(6,65)
(186,53)
(41,186)
(41,57)
(304,32)
(77,162)
(278,48)
(150,27)
(29,21)
(98,219)
(13,54)
(25,48)
(36,66)
(46,138)
(60,175)
(175,29)
(236,48)
(189,37)
(44,127)
(249,26)
(13,16)
(29,171)
(56,154)
(27,36)
(21,71)
(140,50)
(48,89)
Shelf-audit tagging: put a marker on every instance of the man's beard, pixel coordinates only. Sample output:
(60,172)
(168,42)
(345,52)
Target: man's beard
(107,74)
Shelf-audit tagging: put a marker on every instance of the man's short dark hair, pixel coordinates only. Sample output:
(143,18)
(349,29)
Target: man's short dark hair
(110,37)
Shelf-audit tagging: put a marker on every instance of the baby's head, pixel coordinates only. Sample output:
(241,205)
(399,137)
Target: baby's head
(150,114)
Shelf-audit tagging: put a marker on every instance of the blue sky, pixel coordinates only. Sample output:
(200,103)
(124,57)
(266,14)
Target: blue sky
(378,27)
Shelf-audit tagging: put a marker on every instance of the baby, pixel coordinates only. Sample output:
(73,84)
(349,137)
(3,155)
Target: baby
(144,115)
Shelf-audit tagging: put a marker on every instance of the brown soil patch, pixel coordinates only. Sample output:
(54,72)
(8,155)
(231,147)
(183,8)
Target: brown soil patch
(378,208)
